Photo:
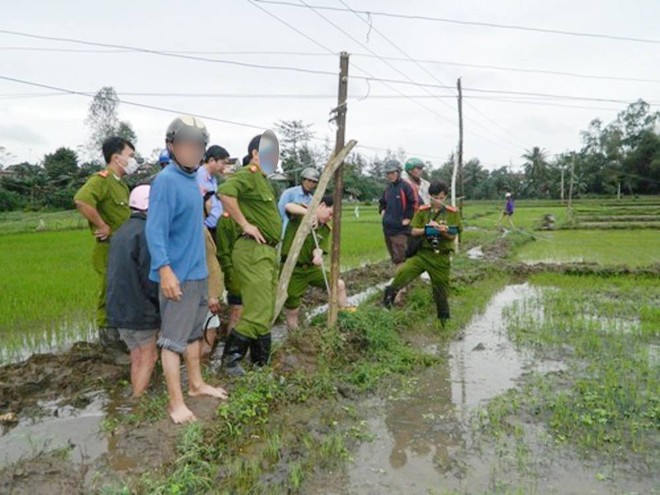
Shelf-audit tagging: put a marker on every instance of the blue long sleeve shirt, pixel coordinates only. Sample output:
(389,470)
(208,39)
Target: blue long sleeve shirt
(208,183)
(175,228)
(296,195)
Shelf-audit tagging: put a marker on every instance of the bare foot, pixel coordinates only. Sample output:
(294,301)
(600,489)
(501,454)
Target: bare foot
(181,414)
(206,389)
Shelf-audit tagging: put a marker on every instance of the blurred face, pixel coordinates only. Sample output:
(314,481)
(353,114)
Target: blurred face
(309,185)
(392,176)
(188,153)
(324,213)
(438,199)
(416,172)
(216,166)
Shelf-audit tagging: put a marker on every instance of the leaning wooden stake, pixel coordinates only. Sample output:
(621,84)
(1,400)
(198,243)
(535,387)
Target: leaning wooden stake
(305,226)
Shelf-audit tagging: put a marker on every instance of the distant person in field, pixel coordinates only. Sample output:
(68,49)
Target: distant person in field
(175,236)
(397,207)
(309,267)
(132,299)
(103,201)
(507,211)
(415,177)
(302,194)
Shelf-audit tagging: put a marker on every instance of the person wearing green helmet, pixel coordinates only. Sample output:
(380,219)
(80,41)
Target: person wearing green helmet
(414,172)
(396,207)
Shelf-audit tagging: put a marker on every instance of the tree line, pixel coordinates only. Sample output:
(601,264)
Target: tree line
(620,157)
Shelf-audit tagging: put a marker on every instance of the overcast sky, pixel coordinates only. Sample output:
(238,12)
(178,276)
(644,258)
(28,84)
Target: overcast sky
(496,131)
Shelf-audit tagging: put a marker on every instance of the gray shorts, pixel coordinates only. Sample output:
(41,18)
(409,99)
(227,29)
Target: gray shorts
(183,320)
(137,338)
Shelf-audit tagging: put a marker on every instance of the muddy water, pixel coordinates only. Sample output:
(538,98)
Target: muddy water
(64,427)
(423,441)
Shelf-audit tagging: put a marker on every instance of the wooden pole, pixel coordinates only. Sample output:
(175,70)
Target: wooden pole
(570,185)
(333,306)
(460,138)
(306,224)
(458,162)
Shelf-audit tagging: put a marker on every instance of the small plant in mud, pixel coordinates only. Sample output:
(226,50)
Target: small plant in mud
(606,329)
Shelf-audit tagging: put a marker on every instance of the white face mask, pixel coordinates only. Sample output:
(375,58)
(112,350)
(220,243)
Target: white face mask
(131,166)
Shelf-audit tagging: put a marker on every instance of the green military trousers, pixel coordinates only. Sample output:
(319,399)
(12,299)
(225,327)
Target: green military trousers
(100,265)
(437,266)
(256,270)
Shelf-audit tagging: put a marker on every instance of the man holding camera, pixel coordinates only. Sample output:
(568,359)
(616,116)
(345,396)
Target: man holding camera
(438,224)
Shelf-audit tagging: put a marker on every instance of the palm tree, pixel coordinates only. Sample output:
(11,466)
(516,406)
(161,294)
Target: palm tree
(537,171)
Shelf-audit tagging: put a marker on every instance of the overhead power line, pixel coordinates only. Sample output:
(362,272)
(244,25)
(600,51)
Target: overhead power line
(167,54)
(180,112)
(526,70)
(463,22)
(369,77)
(434,77)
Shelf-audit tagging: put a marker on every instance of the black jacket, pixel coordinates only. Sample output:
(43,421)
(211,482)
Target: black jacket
(131,298)
(398,202)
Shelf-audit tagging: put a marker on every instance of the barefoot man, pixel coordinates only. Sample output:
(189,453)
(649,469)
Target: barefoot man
(175,237)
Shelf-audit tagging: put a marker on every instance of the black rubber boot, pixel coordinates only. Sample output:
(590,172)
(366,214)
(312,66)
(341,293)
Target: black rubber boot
(390,295)
(260,350)
(236,348)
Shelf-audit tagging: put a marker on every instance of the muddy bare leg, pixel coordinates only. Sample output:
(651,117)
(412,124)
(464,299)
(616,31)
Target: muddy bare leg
(196,384)
(179,412)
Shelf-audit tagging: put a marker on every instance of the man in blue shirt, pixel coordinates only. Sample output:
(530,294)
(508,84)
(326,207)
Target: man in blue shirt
(300,195)
(215,161)
(175,237)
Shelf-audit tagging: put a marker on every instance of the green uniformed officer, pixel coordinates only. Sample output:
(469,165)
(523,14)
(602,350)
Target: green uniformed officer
(309,267)
(103,201)
(438,225)
(249,199)
(227,232)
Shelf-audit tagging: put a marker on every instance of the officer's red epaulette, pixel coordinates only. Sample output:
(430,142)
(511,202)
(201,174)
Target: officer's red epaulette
(103,173)
(424,207)
(451,209)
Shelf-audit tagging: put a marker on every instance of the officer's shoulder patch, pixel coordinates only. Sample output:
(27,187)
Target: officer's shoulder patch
(253,169)
(451,209)
(103,173)
(424,207)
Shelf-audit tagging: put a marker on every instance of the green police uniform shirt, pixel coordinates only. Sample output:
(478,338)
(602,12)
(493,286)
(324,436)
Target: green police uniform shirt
(227,233)
(306,255)
(448,215)
(106,192)
(256,200)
